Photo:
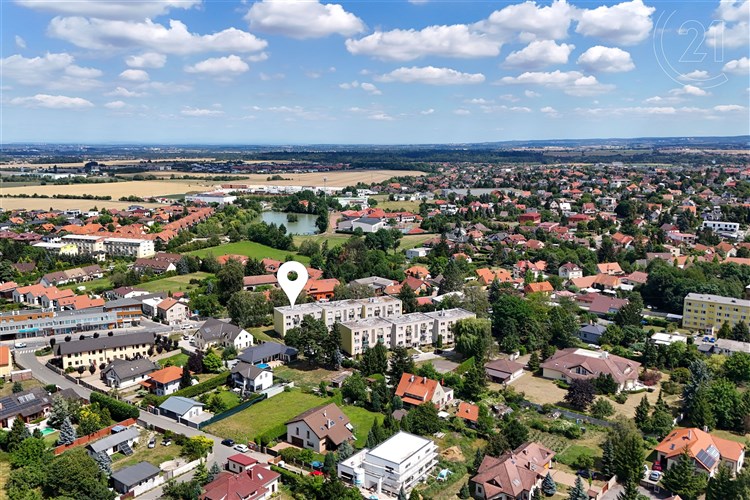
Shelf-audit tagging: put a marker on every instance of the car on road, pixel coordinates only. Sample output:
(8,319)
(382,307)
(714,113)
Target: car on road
(152,443)
(242,448)
(20,345)
(654,476)
(228,442)
(415,356)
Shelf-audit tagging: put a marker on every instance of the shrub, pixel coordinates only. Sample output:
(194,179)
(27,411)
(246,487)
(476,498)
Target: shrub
(562,384)
(650,377)
(197,389)
(119,410)
(621,398)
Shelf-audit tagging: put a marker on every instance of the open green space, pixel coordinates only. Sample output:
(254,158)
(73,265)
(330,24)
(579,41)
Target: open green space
(177,360)
(4,473)
(362,420)
(250,249)
(414,240)
(230,398)
(142,453)
(263,333)
(303,374)
(174,283)
(90,285)
(7,388)
(333,240)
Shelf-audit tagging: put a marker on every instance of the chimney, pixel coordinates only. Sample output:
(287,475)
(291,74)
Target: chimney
(424,380)
(411,379)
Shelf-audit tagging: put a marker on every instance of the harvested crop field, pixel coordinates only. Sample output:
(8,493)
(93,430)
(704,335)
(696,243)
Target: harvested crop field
(116,189)
(62,204)
(340,179)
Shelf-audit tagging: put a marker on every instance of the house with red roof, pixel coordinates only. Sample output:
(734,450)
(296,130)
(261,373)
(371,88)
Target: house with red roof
(468,412)
(321,289)
(256,483)
(415,391)
(706,450)
(517,474)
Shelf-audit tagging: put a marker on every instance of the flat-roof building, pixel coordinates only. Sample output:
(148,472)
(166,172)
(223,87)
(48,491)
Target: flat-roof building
(706,313)
(337,311)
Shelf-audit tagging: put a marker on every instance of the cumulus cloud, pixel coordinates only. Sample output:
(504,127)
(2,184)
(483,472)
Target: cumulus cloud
(431,76)
(427,112)
(572,83)
(740,66)
(56,71)
(461,112)
(20,42)
(626,23)
(733,30)
(550,111)
(52,102)
(134,75)
(115,105)
(529,21)
(729,108)
(606,60)
(101,34)
(146,60)
(540,53)
(440,41)
(366,86)
(219,66)
(188,111)
(302,20)
(123,92)
(688,90)
(131,9)
(531,94)
(697,74)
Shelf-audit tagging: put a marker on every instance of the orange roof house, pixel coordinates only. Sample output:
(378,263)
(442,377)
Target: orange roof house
(542,287)
(468,411)
(321,289)
(487,276)
(420,272)
(165,381)
(612,268)
(5,365)
(708,451)
(414,391)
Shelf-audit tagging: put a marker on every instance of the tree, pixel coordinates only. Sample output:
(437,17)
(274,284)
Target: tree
(408,299)
(563,327)
(401,362)
(308,338)
(475,381)
(30,452)
(515,432)
(534,362)
(201,473)
(682,480)
(18,432)
(699,375)
(581,394)
(254,267)
(184,490)
(628,450)
(605,384)
(725,332)
(401,494)
(197,447)
(578,492)
(629,492)
(345,451)
(213,472)
(212,362)
(478,458)
(104,463)
(248,309)
(374,360)
(424,419)
(185,379)
(329,464)
(230,279)
(642,412)
(701,414)
(355,390)
(67,432)
(17,387)
(737,367)
(721,486)
(602,409)
(59,411)
(473,338)
(82,478)
(548,485)
(661,422)
(630,313)
(195,362)
(497,444)
(608,465)
(740,332)
(453,278)
(464,492)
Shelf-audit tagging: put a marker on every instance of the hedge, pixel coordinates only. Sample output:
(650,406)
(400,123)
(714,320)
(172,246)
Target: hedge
(287,477)
(197,389)
(464,367)
(119,410)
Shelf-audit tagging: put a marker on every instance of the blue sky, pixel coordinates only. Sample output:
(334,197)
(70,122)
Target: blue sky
(428,71)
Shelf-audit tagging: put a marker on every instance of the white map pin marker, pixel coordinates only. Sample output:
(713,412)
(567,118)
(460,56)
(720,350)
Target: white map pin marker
(292,288)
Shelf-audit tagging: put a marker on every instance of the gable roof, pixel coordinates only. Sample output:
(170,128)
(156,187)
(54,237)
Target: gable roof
(106,342)
(468,411)
(593,362)
(702,446)
(515,472)
(265,350)
(125,369)
(214,329)
(416,390)
(24,403)
(167,374)
(326,421)
(504,366)
(179,405)
(247,370)
(113,440)
(248,485)
(131,476)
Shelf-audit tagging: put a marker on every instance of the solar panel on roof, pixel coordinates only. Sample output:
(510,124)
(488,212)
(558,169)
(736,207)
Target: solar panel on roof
(705,458)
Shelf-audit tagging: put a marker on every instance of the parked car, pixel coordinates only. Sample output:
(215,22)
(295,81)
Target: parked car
(654,476)
(166,442)
(316,473)
(242,448)
(20,345)
(152,443)
(657,466)
(228,442)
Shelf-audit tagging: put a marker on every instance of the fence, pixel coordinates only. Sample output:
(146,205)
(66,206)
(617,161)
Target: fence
(232,411)
(92,437)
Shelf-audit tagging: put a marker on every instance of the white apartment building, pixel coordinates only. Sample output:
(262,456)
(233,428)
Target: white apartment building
(403,460)
(57,248)
(444,321)
(717,226)
(130,247)
(87,244)
(337,311)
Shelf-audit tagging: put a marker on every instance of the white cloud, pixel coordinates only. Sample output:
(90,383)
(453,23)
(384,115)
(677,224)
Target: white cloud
(188,111)
(441,41)
(56,71)
(20,42)
(427,112)
(349,85)
(131,9)
(115,105)
(302,19)
(606,60)
(512,98)
(266,77)
(550,111)
(531,94)
(740,66)
(503,109)
(626,23)
(134,75)
(572,83)
(733,10)
(529,21)
(381,117)
(263,56)
(165,87)
(102,34)
(461,112)
(146,60)
(123,92)
(540,53)
(431,76)
(370,89)
(219,66)
(689,90)
(697,74)
(52,102)
(728,35)
(729,108)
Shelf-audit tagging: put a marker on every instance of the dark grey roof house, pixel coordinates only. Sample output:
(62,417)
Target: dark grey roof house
(140,474)
(591,334)
(268,351)
(122,373)
(29,405)
(120,441)
(103,343)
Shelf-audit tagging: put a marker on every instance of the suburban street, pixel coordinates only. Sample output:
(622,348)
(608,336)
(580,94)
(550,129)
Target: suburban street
(28,360)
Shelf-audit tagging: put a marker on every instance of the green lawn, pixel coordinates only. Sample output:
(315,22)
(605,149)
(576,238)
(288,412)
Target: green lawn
(251,249)
(264,416)
(90,285)
(362,421)
(230,398)
(264,333)
(571,456)
(142,453)
(333,240)
(177,360)
(174,283)
(303,374)
(414,240)
(7,388)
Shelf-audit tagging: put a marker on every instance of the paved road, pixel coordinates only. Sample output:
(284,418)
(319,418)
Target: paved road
(27,359)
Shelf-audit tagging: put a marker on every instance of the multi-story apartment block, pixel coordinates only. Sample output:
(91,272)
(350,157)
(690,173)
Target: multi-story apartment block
(129,247)
(57,248)
(87,244)
(408,330)
(103,349)
(28,323)
(707,313)
(338,311)
(721,227)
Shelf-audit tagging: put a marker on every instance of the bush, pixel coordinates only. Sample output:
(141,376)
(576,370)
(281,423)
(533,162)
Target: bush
(650,377)
(119,410)
(197,389)
(621,398)
(562,384)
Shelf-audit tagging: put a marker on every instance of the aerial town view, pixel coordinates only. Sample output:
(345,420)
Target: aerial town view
(414,249)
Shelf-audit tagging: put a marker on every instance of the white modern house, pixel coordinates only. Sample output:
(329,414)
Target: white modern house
(403,460)
(250,378)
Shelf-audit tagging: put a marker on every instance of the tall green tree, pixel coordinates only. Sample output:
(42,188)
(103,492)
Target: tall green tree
(248,309)
(682,480)
(230,279)
(642,414)
(374,360)
(475,381)
(701,414)
(401,362)
(721,486)
(408,299)
(82,478)
(497,444)
(581,394)
(453,278)
(631,313)
(578,492)
(548,485)
(67,432)
(515,432)
(18,433)
(628,450)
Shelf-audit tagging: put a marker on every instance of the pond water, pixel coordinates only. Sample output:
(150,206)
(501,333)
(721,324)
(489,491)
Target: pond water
(305,222)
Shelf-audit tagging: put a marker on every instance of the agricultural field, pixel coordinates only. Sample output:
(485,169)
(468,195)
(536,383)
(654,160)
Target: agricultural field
(63,204)
(250,249)
(385,204)
(340,179)
(117,189)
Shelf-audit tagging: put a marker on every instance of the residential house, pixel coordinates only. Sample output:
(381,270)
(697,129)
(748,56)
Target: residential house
(217,332)
(165,381)
(707,451)
(611,268)
(27,405)
(543,287)
(414,391)
(321,289)
(172,311)
(267,352)
(239,463)
(503,371)
(250,378)
(180,408)
(320,429)
(400,462)
(121,440)
(142,477)
(573,363)
(368,224)
(570,271)
(103,349)
(123,373)
(468,412)
(514,475)
(486,276)
(258,482)
(252,283)
(591,334)
(6,363)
